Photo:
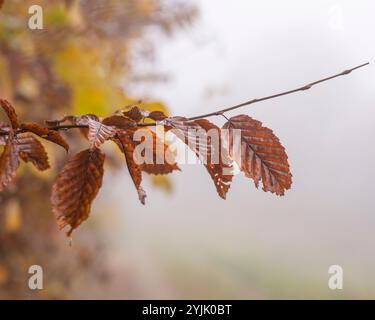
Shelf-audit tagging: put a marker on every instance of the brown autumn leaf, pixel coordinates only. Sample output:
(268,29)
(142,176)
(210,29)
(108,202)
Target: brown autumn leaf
(182,126)
(262,157)
(9,161)
(119,122)
(194,135)
(82,121)
(99,133)
(96,132)
(11,113)
(76,187)
(218,164)
(30,149)
(163,160)
(127,146)
(157,115)
(45,133)
(134,113)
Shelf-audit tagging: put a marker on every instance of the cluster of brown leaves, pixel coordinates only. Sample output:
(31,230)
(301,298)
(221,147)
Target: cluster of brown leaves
(262,157)
(20,143)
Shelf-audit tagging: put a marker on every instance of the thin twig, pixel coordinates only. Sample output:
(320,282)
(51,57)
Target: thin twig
(55,128)
(221,112)
(303,88)
(67,127)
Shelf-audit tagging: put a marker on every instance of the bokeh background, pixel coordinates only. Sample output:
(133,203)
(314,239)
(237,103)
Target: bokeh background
(188,58)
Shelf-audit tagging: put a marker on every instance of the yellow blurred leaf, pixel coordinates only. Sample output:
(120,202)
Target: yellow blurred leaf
(55,16)
(154,106)
(94,88)
(162,182)
(13,217)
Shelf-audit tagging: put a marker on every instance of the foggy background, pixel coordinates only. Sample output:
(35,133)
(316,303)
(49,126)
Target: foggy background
(192,244)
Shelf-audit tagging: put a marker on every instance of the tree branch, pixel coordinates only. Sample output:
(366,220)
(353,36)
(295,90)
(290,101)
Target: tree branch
(303,88)
(221,112)
(55,128)
(67,127)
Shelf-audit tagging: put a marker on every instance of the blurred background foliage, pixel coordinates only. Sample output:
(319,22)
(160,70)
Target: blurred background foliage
(79,63)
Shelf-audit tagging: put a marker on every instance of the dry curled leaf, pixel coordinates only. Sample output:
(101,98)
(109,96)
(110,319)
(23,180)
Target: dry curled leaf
(119,122)
(82,120)
(45,133)
(99,133)
(218,163)
(134,113)
(194,135)
(157,115)
(127,146)
(10,112)
(76,187)
(262,156)
(9,161)
(31,150)
(163,160)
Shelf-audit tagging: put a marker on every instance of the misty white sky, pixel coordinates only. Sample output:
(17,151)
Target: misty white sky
(239,50)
